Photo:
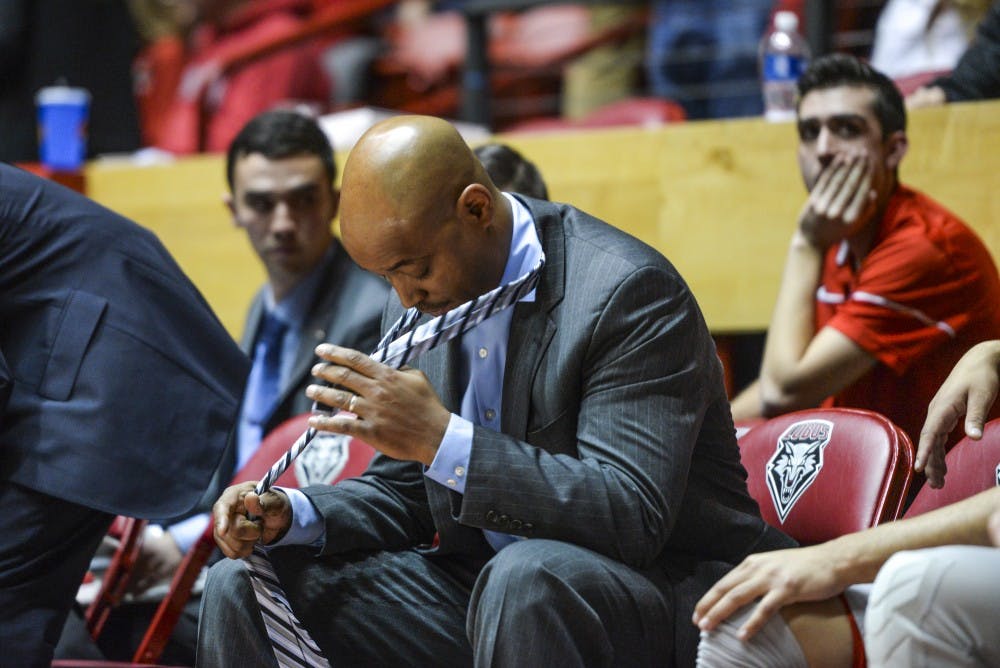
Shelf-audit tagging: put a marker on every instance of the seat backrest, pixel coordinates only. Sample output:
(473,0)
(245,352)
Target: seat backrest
(115,580)
(973,466)
(822,473)
(328,459)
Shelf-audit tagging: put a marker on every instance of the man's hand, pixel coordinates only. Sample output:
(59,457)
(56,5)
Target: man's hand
(235,533)
(398,412)
(777,579)
(159,557)
(993,527)
(969,390)
(842,197)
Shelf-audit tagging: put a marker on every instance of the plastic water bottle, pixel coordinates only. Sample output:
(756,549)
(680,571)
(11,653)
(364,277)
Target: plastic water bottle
(784,55)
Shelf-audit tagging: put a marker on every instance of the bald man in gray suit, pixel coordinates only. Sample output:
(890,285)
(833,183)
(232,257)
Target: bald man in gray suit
(556,488)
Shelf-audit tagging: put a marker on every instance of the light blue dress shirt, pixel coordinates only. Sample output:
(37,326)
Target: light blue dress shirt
(292,310)
(484,349)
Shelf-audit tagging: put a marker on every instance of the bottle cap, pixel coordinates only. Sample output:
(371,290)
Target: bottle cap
(786,21)
(62,95)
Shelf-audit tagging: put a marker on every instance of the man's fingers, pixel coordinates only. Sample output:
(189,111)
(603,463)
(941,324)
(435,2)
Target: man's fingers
(339,399)
(840,201)
(825,194)
(230,504)
(729,602)
(862,195)
(980,401)
(353,360)
(231,525)
(934,467)
(339,424)
(763,611)
(252,504)
(929,441)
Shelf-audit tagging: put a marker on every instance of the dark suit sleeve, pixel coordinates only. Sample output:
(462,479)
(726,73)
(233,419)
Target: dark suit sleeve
(6,382)
(608,467)
(977,74)
(385,509)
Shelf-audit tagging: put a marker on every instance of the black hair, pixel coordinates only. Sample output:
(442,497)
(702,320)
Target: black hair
(281,134)
(510,171)
(839,69)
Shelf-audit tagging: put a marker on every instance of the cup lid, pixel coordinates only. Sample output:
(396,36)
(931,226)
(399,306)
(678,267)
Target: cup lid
(62,95)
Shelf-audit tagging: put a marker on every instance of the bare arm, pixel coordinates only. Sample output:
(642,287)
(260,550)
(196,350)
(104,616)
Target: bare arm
(746,404)
(818,572)
(801,366)
(969,390)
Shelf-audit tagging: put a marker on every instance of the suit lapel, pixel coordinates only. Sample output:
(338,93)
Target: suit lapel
(252,324)
(314,330)
(532,327)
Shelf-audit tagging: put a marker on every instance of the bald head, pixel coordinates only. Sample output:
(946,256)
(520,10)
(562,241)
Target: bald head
(412,160)
(413,191)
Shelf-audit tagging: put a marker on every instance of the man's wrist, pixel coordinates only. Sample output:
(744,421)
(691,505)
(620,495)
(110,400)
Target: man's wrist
(803,241)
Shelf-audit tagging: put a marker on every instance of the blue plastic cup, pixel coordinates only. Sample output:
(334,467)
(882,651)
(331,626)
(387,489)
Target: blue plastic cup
(62,126)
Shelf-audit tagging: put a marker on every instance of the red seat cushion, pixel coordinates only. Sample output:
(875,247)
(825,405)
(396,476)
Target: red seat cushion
(973,466)
(327,459)
(822,473)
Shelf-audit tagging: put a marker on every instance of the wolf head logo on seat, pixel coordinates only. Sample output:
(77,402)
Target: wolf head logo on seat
(323,460)
(796,462)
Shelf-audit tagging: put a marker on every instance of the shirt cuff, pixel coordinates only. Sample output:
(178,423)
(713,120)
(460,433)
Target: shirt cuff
(307,526)
(451,462)
(187,532)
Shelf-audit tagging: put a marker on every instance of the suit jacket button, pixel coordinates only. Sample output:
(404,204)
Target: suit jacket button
(503,521)
(491,516)
(515,524)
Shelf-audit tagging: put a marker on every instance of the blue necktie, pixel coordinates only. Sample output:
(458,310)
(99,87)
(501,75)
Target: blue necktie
(265,375)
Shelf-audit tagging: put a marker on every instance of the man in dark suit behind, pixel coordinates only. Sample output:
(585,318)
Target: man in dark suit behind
(556,488)
(118,392)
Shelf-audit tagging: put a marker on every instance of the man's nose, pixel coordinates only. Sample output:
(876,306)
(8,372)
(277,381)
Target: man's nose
(409,293)
(282,219)
(826,145)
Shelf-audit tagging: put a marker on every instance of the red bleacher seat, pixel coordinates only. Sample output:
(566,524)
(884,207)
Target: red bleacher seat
(818,474)
(973,466)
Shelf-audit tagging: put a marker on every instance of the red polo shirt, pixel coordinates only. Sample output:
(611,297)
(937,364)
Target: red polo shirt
(925,293)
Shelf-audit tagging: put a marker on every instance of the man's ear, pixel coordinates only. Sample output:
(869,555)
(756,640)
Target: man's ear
(230,204)
(475,205)
(896,146)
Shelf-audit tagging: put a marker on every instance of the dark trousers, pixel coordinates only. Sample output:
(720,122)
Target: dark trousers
(45,548)
(536,603)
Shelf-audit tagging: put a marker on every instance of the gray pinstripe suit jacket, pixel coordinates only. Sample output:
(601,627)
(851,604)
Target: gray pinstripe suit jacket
(617,434)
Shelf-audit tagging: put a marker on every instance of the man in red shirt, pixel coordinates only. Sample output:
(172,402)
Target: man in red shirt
(883,288)
(207,111)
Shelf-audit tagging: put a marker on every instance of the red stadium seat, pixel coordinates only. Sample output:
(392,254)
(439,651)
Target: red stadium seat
(822,473)
(973,466)
(328,459)
(115,579)
(743,426)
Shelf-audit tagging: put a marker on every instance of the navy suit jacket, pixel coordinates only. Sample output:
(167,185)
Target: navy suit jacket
(122,387)
(616,431)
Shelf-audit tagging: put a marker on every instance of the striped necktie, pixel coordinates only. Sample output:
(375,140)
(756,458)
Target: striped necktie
(405,340)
